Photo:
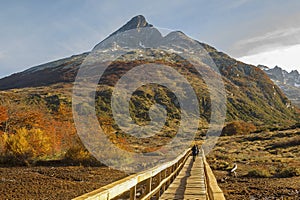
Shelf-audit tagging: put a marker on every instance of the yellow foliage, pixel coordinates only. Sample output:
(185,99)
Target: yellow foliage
(39,141)
(26,144)
(17,143)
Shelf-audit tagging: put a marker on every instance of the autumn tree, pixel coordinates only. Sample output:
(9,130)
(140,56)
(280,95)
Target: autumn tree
(27,145)
(32,130)
(3,118)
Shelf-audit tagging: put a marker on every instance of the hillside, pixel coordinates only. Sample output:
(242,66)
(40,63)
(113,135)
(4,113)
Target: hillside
(251,95)
(60,71)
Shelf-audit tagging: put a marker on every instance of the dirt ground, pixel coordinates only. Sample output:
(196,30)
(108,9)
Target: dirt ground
(245,188)
(53,182)
(72,181)
(265,153)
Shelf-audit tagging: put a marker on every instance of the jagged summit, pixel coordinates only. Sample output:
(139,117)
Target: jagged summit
(289,82)
(139,29)
(138,21)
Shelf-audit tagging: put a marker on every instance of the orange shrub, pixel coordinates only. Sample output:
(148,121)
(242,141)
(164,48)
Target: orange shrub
(3,114)
(238,128)
(3,118)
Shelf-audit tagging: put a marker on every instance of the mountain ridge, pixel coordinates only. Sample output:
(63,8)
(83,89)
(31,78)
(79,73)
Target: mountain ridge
(289,82)
(251,95)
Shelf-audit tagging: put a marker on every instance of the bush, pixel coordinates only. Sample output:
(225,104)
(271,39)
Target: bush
(77,154)
(288,172)
(297,125)
(26,145)
(256,173)
(219,165)
(238,128)
(17,145)
(295,141)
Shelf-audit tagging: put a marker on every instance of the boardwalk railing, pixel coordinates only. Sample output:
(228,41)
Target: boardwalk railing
(152,183)
(145,185)
(214,192)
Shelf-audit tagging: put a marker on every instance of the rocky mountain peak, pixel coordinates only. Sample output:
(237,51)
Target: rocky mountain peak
(138,21)
(294,72)
(277,68)
(289,82)
(278,74)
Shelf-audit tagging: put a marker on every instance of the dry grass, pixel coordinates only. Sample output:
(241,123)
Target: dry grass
(263,159)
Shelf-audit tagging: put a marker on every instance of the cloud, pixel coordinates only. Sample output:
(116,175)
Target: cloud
(236,4)
(270,36)
(2,55)
(267,41)
(285,57)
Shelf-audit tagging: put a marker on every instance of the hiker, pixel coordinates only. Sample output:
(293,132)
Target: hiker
(195,152)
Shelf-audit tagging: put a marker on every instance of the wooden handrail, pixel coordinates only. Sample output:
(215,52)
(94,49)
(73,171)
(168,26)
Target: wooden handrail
(214,192)
(166,174)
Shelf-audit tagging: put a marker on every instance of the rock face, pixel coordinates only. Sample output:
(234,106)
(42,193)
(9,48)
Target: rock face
(288,82)
(251,95)
(278,74)
(136,22)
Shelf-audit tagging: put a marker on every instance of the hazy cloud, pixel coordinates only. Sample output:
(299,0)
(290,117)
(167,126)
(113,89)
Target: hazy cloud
(268,41)
(285,57)
(272,36)
(236,4)
(2,55)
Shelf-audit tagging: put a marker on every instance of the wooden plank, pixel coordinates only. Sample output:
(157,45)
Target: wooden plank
(195,197)
(189,183)
(174,191)
(194,191)
(165,182)
(172,197)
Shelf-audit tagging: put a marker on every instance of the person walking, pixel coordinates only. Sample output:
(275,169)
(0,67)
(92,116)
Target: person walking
(195,152)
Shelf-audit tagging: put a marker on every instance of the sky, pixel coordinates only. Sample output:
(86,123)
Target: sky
(34,32)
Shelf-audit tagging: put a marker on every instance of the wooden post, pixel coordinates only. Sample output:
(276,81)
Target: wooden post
(148,185)
(133,193)
(172,170)
(164,173)
(159,179)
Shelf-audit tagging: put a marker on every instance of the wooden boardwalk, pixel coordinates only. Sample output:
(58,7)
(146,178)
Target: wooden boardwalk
(190,183)
(191,180)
